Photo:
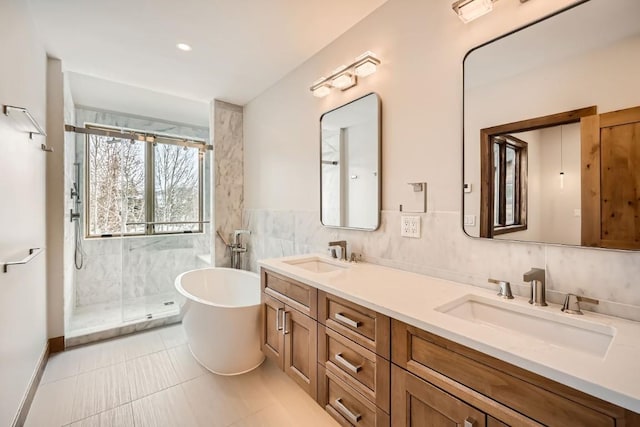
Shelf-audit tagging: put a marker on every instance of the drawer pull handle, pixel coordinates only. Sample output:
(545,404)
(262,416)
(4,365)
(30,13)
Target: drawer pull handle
(278,327)
(284,323)
(469,422)
(353,418)
(344,362)
(344,319)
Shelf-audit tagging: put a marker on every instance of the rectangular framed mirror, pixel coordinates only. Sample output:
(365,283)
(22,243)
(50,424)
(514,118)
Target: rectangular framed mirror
(350,162)
(552,130)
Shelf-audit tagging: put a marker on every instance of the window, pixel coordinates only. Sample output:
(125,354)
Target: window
(142,187)
(509,184)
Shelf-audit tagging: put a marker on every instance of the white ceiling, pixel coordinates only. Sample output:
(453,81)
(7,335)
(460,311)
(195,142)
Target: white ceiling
(102,94)
(240,47)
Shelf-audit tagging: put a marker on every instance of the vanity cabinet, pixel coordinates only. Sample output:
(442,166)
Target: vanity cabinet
(367,369)
(417,403)
(289,328)
(505,394)
(353,367)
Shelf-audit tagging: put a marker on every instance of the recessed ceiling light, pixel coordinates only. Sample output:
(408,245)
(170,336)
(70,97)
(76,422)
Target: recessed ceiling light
(184,46)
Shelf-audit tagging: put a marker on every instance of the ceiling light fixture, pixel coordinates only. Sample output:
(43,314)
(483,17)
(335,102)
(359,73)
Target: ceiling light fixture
(346,76)
(468,10)
(185,47)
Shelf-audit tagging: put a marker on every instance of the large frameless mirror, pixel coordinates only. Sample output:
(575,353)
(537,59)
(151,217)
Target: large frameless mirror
(552,130)
(350,165)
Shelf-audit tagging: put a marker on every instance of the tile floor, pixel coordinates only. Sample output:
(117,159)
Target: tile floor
(151,379)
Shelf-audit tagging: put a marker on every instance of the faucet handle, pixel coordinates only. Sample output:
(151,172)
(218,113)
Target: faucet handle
(572,303)
(505,288)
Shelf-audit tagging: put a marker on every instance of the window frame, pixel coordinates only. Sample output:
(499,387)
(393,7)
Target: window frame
(149,184)
(520,184)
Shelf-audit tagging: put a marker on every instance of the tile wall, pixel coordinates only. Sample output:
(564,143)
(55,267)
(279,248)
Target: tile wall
(445,251)
(229,174)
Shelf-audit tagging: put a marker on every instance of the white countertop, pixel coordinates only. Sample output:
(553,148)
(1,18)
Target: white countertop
(413,298)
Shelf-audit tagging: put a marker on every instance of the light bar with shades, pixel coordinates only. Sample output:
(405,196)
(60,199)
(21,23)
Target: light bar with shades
(468,10)
(346,76)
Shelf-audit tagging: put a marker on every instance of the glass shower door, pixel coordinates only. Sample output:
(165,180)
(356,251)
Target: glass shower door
(169,222)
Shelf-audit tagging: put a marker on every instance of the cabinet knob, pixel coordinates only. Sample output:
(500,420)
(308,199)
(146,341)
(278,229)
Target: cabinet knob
(469,422)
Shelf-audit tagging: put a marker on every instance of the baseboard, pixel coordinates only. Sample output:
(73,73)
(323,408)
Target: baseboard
(23,411)
(56,344)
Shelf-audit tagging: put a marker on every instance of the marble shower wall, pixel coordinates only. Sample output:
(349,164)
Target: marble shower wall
(445,251)
(229,175)
(132,267)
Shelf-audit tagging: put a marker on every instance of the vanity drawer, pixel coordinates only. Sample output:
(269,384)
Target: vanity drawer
(293,293)
(485,380)
(346,405)
(362,369)
(362,325)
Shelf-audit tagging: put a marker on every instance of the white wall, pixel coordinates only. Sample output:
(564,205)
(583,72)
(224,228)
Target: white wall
(559,204)
(23,318)
(55,198)
(422,45)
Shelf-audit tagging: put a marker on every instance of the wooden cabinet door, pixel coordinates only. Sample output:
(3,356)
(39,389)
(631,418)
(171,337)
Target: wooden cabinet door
(611,179)
(272,344)
(300,350)
(416,403)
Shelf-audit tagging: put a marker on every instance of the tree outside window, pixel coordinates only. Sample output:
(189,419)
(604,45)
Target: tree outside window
(142,187)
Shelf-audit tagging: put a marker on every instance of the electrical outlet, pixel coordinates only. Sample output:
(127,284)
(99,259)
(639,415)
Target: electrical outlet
(470,220)
(410,226)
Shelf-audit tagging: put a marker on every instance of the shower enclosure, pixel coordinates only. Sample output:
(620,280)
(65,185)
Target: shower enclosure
(140,218)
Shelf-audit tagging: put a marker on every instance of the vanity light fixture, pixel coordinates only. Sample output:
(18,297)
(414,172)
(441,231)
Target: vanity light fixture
(345,81)
(321,90)
(367,64)
(346,76)
(468,10)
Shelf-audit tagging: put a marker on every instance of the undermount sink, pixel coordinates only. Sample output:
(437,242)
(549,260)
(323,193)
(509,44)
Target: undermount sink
(317,265)
(556,329)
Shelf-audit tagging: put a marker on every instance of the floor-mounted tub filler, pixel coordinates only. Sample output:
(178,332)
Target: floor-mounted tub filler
(222,318)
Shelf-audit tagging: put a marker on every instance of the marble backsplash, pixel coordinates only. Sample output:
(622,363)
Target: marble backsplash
(444,251)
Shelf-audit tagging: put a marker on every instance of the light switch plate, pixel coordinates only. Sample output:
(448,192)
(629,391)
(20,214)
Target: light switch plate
(470,220)
(410,226)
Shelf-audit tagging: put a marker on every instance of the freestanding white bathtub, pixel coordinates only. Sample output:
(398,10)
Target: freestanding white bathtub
(222,318)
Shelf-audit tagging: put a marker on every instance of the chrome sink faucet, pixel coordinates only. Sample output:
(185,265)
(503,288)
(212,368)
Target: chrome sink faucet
(537,278)
(343,248)
(505,288)
(572,303)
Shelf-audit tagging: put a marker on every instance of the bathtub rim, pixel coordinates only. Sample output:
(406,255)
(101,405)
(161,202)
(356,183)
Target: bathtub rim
(189,296)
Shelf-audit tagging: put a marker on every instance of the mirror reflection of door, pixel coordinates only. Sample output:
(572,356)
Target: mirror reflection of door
(611,179)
